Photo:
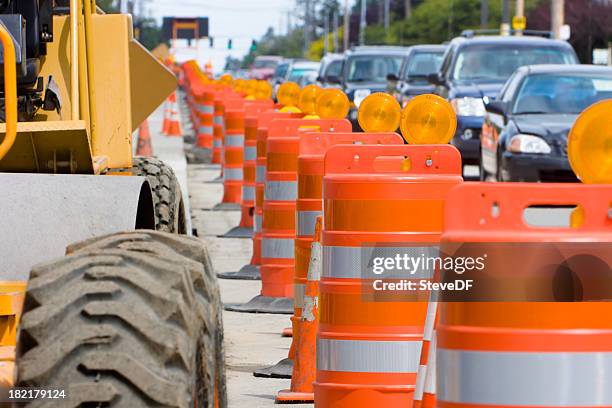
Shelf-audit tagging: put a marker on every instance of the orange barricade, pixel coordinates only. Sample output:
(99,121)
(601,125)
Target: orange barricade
(205,106)
(251,270)
(379,202)
(233,155)
(552,348)
(278,224)
(309,207)
(218,128)
(252,110)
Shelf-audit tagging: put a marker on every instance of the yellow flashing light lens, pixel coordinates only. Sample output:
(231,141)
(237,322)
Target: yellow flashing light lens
(290,109)
(226,79)
(589,144)
(308,99)
(379,112)
(332,104)
(239,85)
(250,87)
(428,119)
(288,94)
(263,90)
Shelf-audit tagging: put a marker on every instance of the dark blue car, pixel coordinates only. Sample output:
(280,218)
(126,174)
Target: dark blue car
(524,136)
(474,70)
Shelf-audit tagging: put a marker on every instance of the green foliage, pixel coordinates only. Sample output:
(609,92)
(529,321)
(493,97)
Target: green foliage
(290,46)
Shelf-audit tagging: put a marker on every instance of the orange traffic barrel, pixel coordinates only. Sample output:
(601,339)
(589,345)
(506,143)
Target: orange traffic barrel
(278,223)
(535,329)
(205,105)
(251,270)
(218,128)
(233,155)
(380,202)
(247,206)
(309,207)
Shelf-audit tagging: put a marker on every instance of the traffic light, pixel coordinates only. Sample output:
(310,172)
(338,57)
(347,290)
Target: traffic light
(253,46)
(211,42)
(229,44)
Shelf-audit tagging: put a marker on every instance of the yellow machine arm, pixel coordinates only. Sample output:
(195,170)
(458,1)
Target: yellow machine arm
(10,91)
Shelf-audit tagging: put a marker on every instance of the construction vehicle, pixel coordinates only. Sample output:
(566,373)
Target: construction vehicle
(123,319)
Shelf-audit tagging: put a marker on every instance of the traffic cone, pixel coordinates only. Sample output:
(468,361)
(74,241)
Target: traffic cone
(144,141)
(167,114)
(174,127)
(304,365)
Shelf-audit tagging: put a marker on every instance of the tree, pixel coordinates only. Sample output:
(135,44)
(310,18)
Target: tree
(590,22)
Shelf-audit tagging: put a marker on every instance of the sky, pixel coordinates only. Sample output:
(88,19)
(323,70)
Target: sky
(241,20)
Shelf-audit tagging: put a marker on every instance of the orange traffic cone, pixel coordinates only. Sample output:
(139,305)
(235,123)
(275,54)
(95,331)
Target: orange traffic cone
(304,365)
(144,141)
(167,114)
(174,127)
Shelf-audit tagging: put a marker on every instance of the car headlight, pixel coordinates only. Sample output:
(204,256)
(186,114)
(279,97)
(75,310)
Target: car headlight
(468,106)
(360,95)
(528,144)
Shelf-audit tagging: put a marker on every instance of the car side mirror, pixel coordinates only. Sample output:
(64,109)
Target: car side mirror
(392,78)
(333,79)
(320,79)
(434,78)
(497,107)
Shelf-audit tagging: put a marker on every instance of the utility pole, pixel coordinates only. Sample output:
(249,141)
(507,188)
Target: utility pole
(123,6)
(362,23)
(484,14)
(520,12)
(325,32)
(307,24)
(387,5)
(505,25)
(335,35)
(407,9)
(556,17)
(347,21)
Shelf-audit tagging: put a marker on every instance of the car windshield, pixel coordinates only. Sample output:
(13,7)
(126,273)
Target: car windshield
(265,64)
(496,62)
(561,93)
(298,73)
(334,69)
(422,64)
(373,68)
(281,70)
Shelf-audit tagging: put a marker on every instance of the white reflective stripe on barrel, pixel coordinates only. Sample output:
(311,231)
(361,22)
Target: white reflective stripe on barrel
(230,173)
(280,190)
(350,262)
(218,120)
(306,221)
(207,130)
(217,142)
(299,290)
(248,193)
(552,379)
(234,140)
(257,223)
(206,108)
(260,173)
(363,356)
(280,248)
(250,153)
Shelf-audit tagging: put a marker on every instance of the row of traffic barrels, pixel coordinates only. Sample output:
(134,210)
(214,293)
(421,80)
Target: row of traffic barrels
(380,202)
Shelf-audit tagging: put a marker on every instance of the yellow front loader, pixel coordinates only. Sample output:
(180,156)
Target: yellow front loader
(94,302)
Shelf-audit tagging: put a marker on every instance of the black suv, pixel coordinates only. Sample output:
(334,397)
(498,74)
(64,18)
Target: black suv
(365,71)
(474,70)
(421,61)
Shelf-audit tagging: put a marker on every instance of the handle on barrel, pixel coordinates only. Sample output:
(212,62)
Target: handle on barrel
(501,206)
(410,159)
(290,127)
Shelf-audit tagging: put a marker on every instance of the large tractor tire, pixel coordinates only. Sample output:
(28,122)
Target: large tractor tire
(126,320)
(167,198)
